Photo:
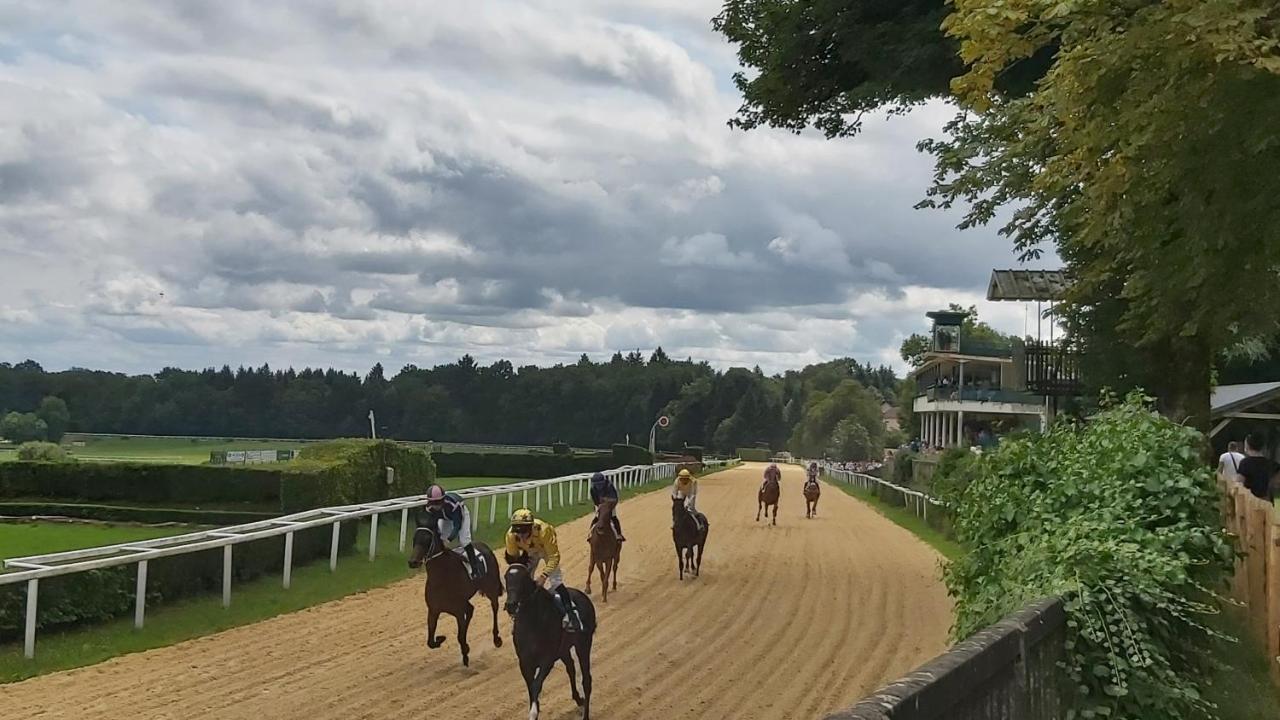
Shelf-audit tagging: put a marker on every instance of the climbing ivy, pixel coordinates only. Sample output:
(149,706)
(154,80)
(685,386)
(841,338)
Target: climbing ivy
(1119,516)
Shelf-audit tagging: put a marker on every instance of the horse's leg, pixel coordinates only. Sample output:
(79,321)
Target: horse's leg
(464,621)
(591,567)
(567,659)
(759,504)
(540,672)
(433,641)
(583,647)
(613,572)
(775,513)
(680,561)
(497,639)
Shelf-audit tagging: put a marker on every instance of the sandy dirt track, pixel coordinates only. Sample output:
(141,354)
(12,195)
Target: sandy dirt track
(786,622)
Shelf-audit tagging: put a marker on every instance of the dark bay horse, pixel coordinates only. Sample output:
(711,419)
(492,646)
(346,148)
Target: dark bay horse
(768,496)
(688,537)
(812,491)
(450,587)
(606,551)
(541,640)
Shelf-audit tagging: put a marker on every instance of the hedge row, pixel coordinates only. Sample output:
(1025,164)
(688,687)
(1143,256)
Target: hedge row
(530,467)
(754,454)
(99,595)
(331,473)
(120,513)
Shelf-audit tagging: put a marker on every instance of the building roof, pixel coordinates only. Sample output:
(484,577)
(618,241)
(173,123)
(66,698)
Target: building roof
(1234,398)
(1042,285)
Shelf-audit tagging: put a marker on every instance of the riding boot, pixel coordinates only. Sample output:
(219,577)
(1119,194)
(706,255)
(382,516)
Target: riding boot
(473,559)
(572,620)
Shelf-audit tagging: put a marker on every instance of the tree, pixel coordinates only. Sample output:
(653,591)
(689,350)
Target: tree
(850,441)
(57,418)
(23,427)
(914,348)
(1136,137)
(825,412)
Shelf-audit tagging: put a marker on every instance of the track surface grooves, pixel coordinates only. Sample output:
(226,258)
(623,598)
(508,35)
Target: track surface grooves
(786,622)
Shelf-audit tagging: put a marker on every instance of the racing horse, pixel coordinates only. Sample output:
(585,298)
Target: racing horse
(541,639)
(606,551)
(450,587)
(812,491)
(688,537)
(768,496)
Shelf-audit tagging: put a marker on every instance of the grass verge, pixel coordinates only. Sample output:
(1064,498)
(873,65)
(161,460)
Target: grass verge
(906,519)
(255,601)
(37,538)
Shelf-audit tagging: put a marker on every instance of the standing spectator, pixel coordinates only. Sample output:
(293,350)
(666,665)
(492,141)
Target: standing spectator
(1229,462)
(1256,470)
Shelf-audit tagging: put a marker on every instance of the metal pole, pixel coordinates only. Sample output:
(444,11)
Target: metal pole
(333,545)
(560,490)
(140,596)
(288,559)
(373,536)
(226,576)
(404,526)
(29,641)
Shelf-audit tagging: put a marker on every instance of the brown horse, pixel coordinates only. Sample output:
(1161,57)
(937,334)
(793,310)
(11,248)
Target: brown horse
(606,551)
(812,491)
(689,533)
(768,496)
(450,587)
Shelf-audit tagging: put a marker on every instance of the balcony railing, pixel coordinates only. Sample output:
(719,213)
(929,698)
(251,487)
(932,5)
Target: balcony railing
(985,395)
(1052,369)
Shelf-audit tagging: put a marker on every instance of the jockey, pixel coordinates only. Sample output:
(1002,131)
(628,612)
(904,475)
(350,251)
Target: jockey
(686,488)
(533,542)
(447,514)
(813,473)
(771,472)
(603,489)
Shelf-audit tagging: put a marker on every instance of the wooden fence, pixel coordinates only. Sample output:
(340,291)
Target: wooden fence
(1257,577)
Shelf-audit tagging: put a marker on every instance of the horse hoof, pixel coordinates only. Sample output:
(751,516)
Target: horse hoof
(497,641)
(466,661)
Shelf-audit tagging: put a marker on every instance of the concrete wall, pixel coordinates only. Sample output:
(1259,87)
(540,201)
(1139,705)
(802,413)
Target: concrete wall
(1005,672)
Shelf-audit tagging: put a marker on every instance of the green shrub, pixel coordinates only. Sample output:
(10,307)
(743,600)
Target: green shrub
(331,473)
(121,513)
(631,455)
(98,595)
(561,448)
(515,465)
(902,467)
(1119,517)
(45,451)
(754,454)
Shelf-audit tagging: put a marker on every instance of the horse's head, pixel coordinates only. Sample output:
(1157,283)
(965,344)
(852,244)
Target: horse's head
(520,586)
(426,544)
(678,509)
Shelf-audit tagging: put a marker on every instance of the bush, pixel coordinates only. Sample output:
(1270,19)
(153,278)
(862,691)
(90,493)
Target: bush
(754,454)
(46,451)
(331,473)
(631,455)
(514,465)
(902,467)
(561,448)
(98,595)
(1120,517)
(23,427)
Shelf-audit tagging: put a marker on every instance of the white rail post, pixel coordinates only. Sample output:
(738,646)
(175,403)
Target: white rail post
(524,498)
(510,495)
(404,525)
(288,559)
(140,596)
(29,639)
(226,576)
(560,490)
(333,545)
(551,499)
(537,498)
(373,536)
(475,516)
(493,507)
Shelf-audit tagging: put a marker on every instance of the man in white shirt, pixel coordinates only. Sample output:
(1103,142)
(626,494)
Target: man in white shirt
(1229,462)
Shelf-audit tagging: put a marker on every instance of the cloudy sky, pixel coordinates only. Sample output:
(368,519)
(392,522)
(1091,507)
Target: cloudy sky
(196,183)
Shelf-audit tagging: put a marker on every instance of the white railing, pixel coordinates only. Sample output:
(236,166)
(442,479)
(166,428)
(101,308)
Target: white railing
(917,501)
(33,568)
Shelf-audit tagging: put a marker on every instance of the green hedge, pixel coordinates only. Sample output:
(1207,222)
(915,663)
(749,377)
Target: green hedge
(624,454)
(694,451)
(99,595)
(121,513)
(330,473)
(530,466)
(754,454)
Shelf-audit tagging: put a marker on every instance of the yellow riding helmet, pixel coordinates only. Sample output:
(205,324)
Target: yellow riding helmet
(684,473)
(523,516)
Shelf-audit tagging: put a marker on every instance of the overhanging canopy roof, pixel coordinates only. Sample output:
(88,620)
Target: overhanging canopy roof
(1043,285)
(1234,398)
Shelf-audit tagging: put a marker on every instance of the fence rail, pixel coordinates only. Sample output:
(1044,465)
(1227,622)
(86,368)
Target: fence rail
(551,492)
(918,502)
